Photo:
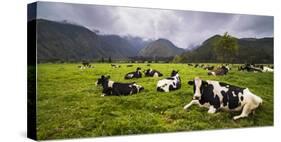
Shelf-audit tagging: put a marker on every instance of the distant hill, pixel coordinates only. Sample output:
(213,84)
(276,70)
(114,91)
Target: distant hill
(71,42)
(251,50)
(160,48)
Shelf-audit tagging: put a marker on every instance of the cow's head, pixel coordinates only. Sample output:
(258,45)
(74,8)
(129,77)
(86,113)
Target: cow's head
(197,87)
(146,72)
(174,73)
(103,80)
(138,88)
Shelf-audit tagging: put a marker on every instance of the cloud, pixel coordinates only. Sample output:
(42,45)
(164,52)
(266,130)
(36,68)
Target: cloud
(183,28)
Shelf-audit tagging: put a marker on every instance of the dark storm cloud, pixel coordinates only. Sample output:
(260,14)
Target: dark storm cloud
(184,28)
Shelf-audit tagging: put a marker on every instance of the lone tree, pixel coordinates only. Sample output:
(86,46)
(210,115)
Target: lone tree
(109,59)
(226,48)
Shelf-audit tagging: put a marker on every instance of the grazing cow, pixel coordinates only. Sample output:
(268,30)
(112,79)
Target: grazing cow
(136,74)
(129,65)
(196,65)
(189,64)
(170,83)
(115,66)
(219,71)
(216,95)
(152,73)
(111,88)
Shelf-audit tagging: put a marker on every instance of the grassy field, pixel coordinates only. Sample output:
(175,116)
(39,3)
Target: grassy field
(71,106)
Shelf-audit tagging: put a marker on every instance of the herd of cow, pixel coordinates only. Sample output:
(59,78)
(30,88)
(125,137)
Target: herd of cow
(213,95)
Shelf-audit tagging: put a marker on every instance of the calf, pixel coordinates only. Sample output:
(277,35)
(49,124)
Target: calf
(152,73)
(111,88)
(136,74)
(170,83)
(218,95)
(219,71)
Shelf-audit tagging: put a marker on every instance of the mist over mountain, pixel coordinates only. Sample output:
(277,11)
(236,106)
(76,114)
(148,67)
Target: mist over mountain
(160,48)
(68,41)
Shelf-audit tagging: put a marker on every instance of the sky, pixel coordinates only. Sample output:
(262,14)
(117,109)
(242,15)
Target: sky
(185,29)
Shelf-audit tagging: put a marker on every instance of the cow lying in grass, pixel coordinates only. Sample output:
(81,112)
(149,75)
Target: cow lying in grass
(221,96)
(136,74)
(170,83)
(152,73)
(219,71)
(111,88)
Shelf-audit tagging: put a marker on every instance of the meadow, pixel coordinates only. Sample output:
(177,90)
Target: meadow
(69,105)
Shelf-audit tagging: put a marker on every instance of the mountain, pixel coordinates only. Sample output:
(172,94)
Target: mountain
(72,42)
(251,50)
(160,48)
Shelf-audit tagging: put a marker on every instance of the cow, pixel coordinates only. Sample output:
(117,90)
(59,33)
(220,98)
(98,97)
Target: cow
(219,71)
(189,64)
(85,65)
(250,68)
(136,74)
(111,88)
(152,73)
(115,66)
(209,67)
(216,96)
(267,69)
(170,83)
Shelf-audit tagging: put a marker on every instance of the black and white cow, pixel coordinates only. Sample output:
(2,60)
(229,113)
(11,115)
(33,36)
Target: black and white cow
(152,73)
(219,71)
(111,88)
(85,65)
(170,83)
(136,74)
(209,67)
(222,96)
(115,66)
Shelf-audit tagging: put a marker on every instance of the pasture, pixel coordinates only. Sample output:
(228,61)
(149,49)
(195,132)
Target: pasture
(69,105)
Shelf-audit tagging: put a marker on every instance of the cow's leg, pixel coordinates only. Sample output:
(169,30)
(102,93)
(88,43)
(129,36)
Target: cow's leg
(212,109)
(190,104)
(245,112)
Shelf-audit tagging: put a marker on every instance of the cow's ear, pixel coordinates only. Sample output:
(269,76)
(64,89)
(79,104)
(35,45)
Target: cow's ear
(191,82)
(102,76)
(108,77)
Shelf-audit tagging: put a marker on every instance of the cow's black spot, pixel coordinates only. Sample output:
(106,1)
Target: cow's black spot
(241,98)
(231,96)
(207,95)
(174,83)
(170,78)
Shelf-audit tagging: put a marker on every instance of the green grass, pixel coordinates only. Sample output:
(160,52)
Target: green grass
(69,105)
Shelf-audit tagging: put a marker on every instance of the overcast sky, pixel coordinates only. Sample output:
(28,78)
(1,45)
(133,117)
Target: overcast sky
(183,28)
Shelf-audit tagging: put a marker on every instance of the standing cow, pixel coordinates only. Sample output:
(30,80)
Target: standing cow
(136,74)
(170,83)
(218,95)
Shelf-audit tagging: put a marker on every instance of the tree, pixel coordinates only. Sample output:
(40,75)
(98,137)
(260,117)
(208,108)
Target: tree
(102,59)
(177,59)
(226,48)
(109,60)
